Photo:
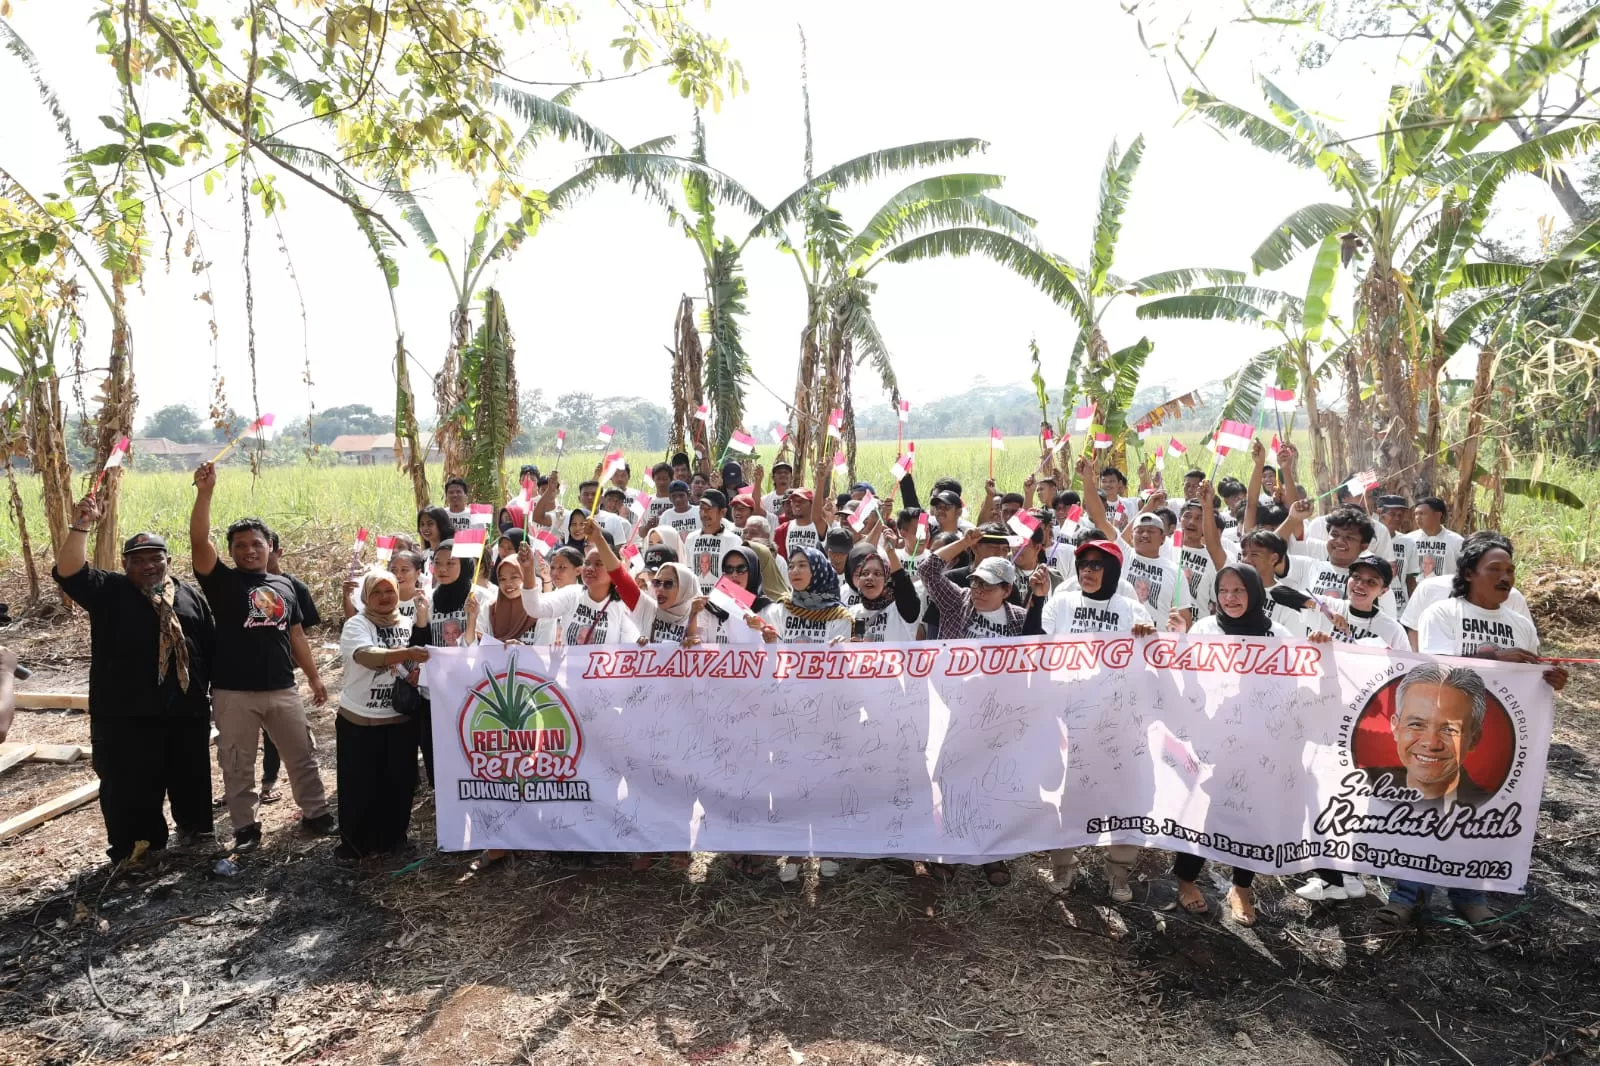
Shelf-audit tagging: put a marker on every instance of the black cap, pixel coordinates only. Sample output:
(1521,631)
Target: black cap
(1392,501)
(677,486)
(658,556)
(1377,564)
(838,540)
(946,497)
(144,542)
(715,498)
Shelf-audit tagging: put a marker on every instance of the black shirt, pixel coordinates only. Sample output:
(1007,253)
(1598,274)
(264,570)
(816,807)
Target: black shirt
(124,643)
(309,615)
(254,613)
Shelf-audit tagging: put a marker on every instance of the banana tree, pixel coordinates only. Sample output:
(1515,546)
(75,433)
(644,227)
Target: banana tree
(1408,219)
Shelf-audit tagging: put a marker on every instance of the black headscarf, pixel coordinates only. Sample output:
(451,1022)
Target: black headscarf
(453,597)
(752,582)
(1254,622)
(441,522)
(573,542)
(1110,576)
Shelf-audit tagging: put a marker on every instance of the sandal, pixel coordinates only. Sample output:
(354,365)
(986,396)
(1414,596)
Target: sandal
(270,794)
(1191,899)
(1397,915)
(1241,907)
(1064,869)
(488,859)
(997,873)
(1475,913)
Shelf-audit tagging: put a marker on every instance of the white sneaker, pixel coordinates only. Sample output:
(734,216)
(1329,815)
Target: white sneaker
(789,871)
(1064,870)
(1317,890)
(1117,882)
(1353,888)
(827,868)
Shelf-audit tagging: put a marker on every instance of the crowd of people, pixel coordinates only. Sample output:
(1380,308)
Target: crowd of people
(629,565)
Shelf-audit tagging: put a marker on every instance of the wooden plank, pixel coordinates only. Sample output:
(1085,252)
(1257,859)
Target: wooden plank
(46,811)
(52,701)
(11,754)
(59,753)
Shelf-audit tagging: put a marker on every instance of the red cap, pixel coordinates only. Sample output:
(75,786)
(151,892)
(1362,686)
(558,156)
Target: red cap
(745,496)
(1101,545)
(802,494)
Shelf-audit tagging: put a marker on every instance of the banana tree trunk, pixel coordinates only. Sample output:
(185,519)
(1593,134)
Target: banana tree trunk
(1427,481)
(1467,453)
(1354,453)
(47,450)
(408,451)
(1335,445)
(1497,499)
(491,390)
(448,393)
(688,368)
(803,426)
(30,569)
(114,421)
(1308,391)
(1386,350)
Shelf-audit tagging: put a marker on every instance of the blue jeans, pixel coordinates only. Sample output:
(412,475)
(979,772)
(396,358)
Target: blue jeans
(1415,893)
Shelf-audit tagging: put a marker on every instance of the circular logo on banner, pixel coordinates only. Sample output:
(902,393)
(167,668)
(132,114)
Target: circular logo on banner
(1437,731)
(516,726)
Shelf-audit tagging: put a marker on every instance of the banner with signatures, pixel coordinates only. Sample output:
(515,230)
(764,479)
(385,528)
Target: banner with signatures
(1272,755)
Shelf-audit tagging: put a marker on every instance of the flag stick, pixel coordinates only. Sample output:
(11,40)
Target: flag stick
(991,453)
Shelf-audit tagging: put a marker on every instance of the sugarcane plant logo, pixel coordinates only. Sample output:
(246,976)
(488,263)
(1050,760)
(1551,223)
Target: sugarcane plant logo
(521,738)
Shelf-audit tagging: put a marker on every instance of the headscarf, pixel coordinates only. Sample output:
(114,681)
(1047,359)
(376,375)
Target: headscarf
(1110,576)
(670,538)
(819,600)
(571,541)
(516,537)
(1254,622)
(453,597)
(373,579)
(506,615)
(688,589)
(517,516)
(441,522)
(752,581)
(164,599)
(859,555)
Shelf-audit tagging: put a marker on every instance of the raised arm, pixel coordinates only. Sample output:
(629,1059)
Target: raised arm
(1289,474)
(1093,505)
(1208,525)
(546,503)
(72,557)
(201,551)
(1252,492)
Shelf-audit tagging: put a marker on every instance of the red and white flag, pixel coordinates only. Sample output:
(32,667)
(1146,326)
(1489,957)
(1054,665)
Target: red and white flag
(361,541)
(544,542)
(1161,457)
(1145,429)
(1175,446)
(732,598)
(1278,399)
(258,429)
(611,464)
(922,527)
(1083,418)
(840,463)
(629,552)
(468,544)
(779,435)
(640,504)
(1102,441)
(902,466)
(1216,448)
(836,422)
(1177,538)
(480,514)
(1362,483)
(605,434)
(118,454)
(385,546)
(996,440)
(561,440)
(1233,434)
(1047,436)
(1074,513)
(703,413)
(867,506)
(905,410)
(1272,451)
(742,442)
(1023,524)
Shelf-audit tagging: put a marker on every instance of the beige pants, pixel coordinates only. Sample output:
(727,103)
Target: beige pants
(240,718)
(1121,854)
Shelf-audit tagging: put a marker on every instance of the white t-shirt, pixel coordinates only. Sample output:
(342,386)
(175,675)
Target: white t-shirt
(734,630)
(460,519)
(705,551)
(801,536)
(583,620)
(770,503)
(1317,529)
(1312,573)
(659,505)
(1069,611)
(1154,581)
(1431,556)
(886,625)
(1297,623)
(793,629)
(1209,627)
(369,692)
(1380,630)
(1456,627)
(1400,554)
(685,523)
(620,529)
(1431,590)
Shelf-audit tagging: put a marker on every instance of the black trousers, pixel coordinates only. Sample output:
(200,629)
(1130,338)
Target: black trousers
(271,762)
(144,762)
(1186,867)
(424,724)
(377,775)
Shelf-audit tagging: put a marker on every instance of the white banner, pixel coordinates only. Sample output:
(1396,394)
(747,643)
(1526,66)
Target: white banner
(1272,755)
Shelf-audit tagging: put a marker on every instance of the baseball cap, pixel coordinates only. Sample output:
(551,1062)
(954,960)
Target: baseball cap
(1103,546)
(714,497)
(862,486)
(677,486)
(1377,564)
(838,540)
(1392,501)
(947,498)
(802,494)
(659,556)
(745,496)
(144,542)
(994,571)
(1148,519)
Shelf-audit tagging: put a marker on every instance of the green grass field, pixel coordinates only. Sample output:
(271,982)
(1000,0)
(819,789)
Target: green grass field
(323,502)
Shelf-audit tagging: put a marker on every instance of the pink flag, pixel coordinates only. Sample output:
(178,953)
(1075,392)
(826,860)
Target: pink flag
(1175,446)
(1047,436)
(561,440)
(840,463)
(1161,458)
(905,410)
(1278,399)
(544,542)
(922,527)
(836,422)
(259,427)
(996,440)
(742,442)
(468,544)
(361,539)
(611,464)
(1102,441)
(118,454)
(1074,513)
(1272,452)
(732,598)
(385,546)
(779,435)
(640,504)
(867,506)
(902,466)
(1235,434)
(703,413)
(629,552)
(605,434)
(1145,429)
(1083,418)
(480,514)
(1023,524)
(1177,538)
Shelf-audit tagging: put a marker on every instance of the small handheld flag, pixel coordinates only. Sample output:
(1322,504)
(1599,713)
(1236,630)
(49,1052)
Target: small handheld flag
(1161,458)
(468,544)
(867,507)
(1272,450)
(605,434)
(1362,483)
(256,429)
(1083,418)
(640,504)
(543,542)
(840,463)
(779,435)
(385,547)
(1023,524)
(742,442)
(703,413)
(1074,513)
(1102,441)
(1278,399)
(1175,446)
(922,528)
(996,440)
(113,461)
(1145,429)
(480,514)
(355,551)
(732,598)
(905,410)
(836,422)
(902,466)
(561,441)
(1235,434)
(611,464)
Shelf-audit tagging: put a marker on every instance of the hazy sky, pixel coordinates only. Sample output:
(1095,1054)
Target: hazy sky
(592,298)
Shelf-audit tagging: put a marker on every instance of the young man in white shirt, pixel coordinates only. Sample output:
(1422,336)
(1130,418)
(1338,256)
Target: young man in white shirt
(1356,618)
(710,543)
(682,518)
(1320,567)
(1431,548)
(1394,515)
(782,482)
(457,506)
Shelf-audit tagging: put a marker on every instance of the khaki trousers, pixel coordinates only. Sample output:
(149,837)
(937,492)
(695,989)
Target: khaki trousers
(241,717)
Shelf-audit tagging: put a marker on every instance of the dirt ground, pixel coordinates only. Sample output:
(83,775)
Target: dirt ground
(299,959)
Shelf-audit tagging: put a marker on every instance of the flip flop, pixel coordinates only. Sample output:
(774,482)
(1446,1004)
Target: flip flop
(1196,905)
(1242,911)
(997,873)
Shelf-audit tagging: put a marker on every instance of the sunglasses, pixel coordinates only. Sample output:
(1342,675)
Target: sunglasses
(663,584)
(735,569)
(1092,564)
